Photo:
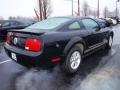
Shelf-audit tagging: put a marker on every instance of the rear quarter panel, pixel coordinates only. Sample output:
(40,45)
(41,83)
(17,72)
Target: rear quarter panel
(55,43)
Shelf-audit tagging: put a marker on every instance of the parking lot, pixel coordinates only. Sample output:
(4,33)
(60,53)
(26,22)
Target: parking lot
(102,66)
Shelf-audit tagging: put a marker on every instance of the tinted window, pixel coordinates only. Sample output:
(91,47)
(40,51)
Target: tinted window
(89,24)
(74,26)
(6,24)
(49,23)
(14,23)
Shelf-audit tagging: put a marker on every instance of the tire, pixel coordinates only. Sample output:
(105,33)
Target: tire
(73,59)
(110,42)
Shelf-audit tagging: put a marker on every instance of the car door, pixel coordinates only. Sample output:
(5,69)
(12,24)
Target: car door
(93,39)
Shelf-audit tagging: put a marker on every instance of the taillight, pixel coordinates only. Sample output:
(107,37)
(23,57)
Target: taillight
(8,38)
(32,44)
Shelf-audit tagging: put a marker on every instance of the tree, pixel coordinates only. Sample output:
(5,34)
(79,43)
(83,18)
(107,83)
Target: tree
(44,10)
(85,8)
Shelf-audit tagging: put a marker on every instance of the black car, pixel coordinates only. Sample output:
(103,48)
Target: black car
(6,25)
(103,23)
(64,40)
(108,21)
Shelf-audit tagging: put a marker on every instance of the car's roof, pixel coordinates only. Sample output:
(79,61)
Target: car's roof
(72,17)
(99,20)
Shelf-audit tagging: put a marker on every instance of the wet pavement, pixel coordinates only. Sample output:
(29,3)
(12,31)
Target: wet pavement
(99,71)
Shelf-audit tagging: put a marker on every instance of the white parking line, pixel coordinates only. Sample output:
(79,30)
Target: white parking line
(5,61)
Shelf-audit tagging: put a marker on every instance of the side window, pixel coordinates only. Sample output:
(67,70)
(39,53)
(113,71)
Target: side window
(74,26)
(89,24)
(14,23)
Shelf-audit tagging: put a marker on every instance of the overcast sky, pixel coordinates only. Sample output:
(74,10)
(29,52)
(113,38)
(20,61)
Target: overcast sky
(59,7)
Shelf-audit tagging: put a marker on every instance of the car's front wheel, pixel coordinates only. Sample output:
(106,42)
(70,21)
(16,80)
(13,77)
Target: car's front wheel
(73,59)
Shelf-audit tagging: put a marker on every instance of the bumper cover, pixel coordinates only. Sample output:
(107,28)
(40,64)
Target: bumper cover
(29,59)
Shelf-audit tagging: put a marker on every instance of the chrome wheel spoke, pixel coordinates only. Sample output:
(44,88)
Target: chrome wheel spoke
(75,60)
(110,41)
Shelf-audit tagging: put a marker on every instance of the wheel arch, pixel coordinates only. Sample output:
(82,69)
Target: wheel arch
(74,41)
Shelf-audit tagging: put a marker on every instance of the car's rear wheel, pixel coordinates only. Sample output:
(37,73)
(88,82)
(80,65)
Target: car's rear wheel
(73,59)
(110,42)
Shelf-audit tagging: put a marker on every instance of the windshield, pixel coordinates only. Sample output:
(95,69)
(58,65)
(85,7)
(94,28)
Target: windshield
(48,23)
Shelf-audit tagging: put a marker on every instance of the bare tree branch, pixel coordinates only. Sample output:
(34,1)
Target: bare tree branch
(44,9)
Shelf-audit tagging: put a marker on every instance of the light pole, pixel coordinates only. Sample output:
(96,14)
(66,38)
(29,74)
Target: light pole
(72,7)
(117,8)
(72,2)
(98,11)
(78,7)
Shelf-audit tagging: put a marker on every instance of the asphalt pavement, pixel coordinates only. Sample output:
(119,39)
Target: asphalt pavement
(99,71)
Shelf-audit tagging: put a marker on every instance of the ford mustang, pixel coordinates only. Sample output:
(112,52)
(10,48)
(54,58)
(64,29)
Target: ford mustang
(64,40)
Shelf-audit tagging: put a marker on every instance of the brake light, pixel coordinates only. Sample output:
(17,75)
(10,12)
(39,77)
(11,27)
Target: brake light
(8,38)
(32,44)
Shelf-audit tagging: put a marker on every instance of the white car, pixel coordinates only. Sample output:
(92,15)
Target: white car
(114,22)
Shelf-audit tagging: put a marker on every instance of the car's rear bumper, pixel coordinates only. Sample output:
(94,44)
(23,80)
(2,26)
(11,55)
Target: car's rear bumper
(29,59)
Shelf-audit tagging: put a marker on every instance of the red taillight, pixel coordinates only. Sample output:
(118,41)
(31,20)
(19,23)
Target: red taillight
(8,38)
(32,44)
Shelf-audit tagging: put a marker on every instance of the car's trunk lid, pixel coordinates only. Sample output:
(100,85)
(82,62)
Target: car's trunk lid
(18,37)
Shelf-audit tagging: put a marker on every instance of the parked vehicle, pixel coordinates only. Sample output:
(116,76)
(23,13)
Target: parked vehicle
(116,19)
(119,21)
(6,25)
(103,23)
(112,21)
(108,22)
(64,40)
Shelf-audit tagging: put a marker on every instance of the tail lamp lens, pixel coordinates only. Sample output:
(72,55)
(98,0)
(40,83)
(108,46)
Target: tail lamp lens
(8,38)
(33,45)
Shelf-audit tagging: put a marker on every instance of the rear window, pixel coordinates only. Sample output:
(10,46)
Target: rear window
(49,23)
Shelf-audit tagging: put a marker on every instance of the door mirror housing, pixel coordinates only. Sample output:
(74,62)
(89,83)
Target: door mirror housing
(97,28)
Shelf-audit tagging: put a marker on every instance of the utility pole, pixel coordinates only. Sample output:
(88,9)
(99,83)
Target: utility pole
(98,11)
(78,7)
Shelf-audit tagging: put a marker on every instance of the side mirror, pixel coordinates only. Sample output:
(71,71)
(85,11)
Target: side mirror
(98,28)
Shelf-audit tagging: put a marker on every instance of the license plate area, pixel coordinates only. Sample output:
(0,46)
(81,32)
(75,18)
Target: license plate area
(13,56)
